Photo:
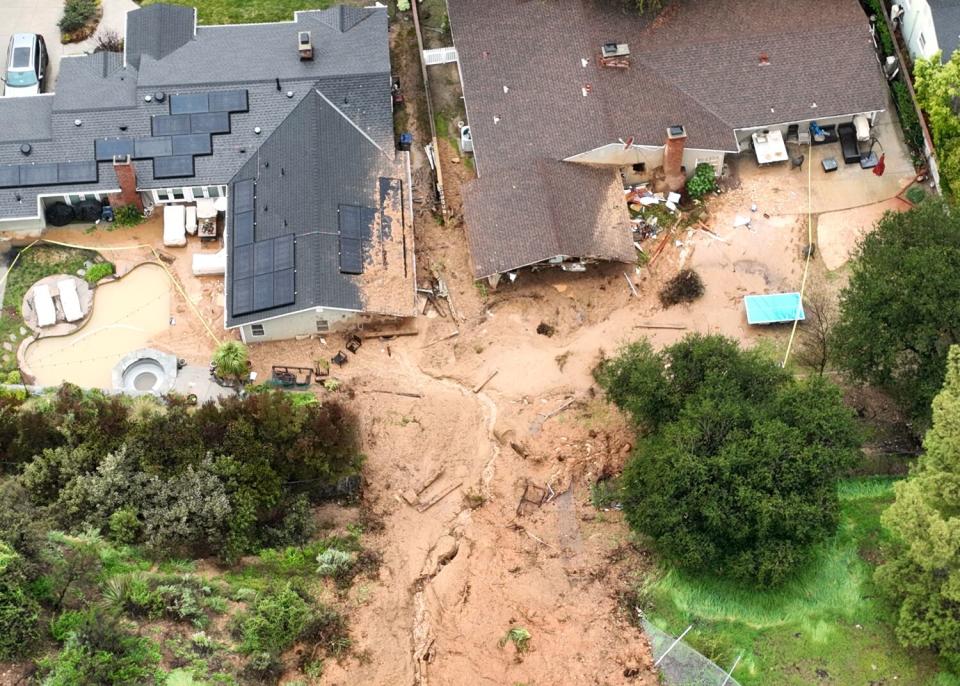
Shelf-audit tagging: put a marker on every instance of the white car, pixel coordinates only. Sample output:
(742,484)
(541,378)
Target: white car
(26,65)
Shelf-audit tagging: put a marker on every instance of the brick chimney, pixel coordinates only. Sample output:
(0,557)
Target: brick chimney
(674,178)
(127,178)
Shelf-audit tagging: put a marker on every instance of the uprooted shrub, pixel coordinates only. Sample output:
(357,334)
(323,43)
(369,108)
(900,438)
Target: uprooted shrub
(685,287)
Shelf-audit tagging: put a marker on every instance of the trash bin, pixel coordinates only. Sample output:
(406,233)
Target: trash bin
(406,142)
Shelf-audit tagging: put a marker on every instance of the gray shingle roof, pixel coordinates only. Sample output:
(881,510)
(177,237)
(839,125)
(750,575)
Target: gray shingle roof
(946,19)
(156,31)
(25,119)
(697,64)
(313,163)
(95,82)
(105,96)
(266,52)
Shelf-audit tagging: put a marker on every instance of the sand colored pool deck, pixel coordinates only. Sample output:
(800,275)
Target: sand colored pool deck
(127,314)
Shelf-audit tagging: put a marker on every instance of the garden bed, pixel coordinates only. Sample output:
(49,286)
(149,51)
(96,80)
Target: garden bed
(80,20)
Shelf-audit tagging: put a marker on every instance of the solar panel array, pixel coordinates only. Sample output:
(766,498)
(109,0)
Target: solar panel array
(263,272)
(355,223)
(177,138)
(50,174)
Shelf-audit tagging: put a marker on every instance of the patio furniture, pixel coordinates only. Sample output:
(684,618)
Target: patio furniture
(848,143)
(210,264)
(774,308)
(797,162)
(191,220)
(769,147)
(174,226)
(354,343)
(291,376)
(339,359)
(829,164)
(207,219)
(43,305)
(70,300)
(868,160)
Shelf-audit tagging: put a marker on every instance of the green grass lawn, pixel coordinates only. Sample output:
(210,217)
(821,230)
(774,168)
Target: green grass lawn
(32,265)
(826,626)
(251,11)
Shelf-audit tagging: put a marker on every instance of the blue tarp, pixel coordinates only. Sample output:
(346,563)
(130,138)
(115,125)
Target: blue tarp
(774,308)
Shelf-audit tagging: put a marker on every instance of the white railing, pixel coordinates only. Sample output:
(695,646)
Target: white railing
(439,56)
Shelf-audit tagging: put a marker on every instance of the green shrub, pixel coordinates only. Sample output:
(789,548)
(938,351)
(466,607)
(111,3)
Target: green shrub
(909,122)
(127,215)
(76,14)
(65,624)
(19,611)
(231,360)
(335,563)
(98,271)
(100,650)
(275,621)
(916,195)
(883,33)
(14,378)
(124,525)
(736,466)
(703,181)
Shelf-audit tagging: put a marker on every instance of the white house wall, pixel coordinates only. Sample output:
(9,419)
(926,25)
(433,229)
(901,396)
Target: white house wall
(301,324)
(651,156)
(919,31)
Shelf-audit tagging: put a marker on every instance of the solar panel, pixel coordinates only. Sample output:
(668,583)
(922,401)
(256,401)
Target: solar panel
(263,292)
(243,195)
(242,296)
(189,103)
(284,291)
(211,122)
(243,261)
(9,175)
(192,144)
(283,253)
(351,256)
(38,174)
(262,257)
(108,148)
(145,148)
(77,172)
(243,228)
(349,220)
(173,167)
(228,101)
(170,124)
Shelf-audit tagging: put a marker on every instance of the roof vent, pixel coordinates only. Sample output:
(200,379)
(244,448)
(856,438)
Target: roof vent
(257,130)
(764,59)
(304,45)
(25,149)
(148,98)
(77,122)
(289,94)
(159,96)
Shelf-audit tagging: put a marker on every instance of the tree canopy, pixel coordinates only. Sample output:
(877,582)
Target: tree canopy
(923,573)
(736,472)
(937,86)
(900,311)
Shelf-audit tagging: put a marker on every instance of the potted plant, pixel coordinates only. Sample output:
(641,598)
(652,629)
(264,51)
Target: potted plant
(231,361)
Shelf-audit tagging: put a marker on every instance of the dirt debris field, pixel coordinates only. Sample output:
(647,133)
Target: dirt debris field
(459,419)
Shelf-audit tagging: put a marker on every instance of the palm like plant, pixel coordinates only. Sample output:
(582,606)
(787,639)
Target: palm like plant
(231,359)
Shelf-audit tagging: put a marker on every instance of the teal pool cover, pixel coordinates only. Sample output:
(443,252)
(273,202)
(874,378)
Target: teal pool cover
(774,308)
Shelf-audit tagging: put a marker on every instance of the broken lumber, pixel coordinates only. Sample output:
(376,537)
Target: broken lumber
(441,340)
(650,325)
(400,393)
(479,388)
(428,482)
(440,496)
(633,289)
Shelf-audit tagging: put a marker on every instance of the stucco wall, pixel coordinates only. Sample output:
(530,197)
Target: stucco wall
(301,324)
(917,22)
(746,143)
(651,156)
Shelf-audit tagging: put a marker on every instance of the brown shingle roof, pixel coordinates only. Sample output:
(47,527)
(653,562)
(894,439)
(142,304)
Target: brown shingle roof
(697,64)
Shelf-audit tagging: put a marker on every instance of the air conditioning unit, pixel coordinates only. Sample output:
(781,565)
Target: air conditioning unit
(609,50)
(304,45)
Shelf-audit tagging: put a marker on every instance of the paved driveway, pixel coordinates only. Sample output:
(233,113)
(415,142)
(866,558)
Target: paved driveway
(41,16)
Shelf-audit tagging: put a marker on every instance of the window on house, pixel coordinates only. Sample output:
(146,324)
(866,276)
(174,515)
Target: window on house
(323,326)
(256,329)
(73,199)
(177,194)
(640,167)
(197,192)
(922,41)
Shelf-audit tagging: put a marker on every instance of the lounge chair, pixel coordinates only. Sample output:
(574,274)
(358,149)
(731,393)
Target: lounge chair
(70,300)
(209,264)
(191,220)
(43,305)
(174,226)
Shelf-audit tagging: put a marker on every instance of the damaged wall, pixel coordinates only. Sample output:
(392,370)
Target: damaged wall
(649,155)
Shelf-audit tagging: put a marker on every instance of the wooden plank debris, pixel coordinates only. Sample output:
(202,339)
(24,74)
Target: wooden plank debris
(403,394)
(633,289)
(478,388)
(440,496)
